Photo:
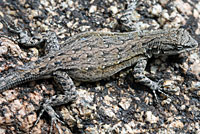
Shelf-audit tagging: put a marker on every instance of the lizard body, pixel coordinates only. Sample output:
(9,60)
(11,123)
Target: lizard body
(92,56)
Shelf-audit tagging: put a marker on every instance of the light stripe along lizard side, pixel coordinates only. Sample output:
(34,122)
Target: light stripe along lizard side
(92,56)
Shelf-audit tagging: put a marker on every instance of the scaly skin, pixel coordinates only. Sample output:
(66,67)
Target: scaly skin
(93,56)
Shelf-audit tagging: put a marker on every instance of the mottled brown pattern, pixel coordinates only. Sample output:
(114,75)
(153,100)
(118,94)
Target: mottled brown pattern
(93,56)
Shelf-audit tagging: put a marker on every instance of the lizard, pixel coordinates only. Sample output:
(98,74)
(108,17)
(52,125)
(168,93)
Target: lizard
(93,56)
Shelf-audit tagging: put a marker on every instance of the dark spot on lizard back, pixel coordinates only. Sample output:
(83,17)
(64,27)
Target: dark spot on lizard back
(51,57)
(76,49)
(38,61)
(42,69)
(57,62)
(74,58)
(60,54)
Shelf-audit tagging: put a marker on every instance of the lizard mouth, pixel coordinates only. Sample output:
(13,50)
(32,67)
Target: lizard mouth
(175,52)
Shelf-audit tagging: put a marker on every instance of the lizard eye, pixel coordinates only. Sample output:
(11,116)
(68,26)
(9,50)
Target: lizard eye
(179,47)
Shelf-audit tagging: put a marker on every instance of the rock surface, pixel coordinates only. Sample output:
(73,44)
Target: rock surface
(114,105)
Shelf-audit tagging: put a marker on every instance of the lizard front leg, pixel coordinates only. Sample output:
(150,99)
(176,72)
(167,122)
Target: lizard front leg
(65,83)
(130,16)
(138,73)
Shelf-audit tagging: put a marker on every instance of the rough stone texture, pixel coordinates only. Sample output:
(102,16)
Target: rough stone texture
(116,104)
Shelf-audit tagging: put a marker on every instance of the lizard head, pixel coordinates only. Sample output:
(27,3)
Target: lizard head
(173,42)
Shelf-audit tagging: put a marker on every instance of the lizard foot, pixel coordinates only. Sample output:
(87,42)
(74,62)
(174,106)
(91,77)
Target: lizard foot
(54,117)
(157,87)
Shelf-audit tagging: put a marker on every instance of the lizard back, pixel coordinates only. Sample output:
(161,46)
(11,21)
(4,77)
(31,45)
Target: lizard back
(92,56)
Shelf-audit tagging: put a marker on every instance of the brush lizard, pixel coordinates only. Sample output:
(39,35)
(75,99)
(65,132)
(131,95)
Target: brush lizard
(93,56)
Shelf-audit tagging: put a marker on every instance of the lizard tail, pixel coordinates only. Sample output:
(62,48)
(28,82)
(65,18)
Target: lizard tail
(12,80)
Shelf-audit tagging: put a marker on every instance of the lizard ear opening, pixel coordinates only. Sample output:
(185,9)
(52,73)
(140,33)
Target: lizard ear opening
(156,51)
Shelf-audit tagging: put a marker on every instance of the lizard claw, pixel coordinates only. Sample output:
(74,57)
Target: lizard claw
(160,82)
(54,117)
(54,120)
(158,87)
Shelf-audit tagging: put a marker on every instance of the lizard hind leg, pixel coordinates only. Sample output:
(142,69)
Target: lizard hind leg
(49,38)
(66,84)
